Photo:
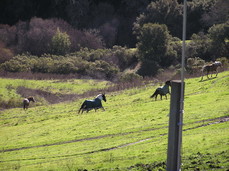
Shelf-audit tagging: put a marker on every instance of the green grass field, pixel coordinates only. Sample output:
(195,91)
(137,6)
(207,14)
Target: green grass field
(9,88)
(130,135)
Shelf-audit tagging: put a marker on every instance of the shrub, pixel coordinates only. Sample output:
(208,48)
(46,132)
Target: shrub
(148,68)
(224,61)
(129,77)
(194,65)
(5,53)
(18,64)
(101,69)
(123,57)
(199,46)
(60,43)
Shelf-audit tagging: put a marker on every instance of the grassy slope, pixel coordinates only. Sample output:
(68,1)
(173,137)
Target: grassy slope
(132,130)
(8,87)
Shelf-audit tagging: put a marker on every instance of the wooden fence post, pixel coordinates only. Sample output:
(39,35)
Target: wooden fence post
(175,127)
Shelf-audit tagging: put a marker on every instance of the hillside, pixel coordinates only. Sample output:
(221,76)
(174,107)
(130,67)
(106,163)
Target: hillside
(45,91)
(130,134)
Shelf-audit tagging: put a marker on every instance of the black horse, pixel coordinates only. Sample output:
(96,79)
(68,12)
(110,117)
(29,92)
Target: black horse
(210,68)
(93,104)
(162,90)
(26,102)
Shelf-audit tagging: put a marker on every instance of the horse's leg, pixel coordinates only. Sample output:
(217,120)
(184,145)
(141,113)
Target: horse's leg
(166,97)
(207,74)
(202,78)
(27,106)
(161,96)
(216,72)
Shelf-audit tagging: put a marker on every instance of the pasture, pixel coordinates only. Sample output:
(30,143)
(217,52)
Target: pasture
(13,89)
(131,134)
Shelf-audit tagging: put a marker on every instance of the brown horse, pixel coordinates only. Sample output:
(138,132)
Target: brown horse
(26,102)
(210,68)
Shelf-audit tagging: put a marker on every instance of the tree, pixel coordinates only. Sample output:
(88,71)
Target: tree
(60,43)
(219,34)
(218,13)
(167,12)
(152,46)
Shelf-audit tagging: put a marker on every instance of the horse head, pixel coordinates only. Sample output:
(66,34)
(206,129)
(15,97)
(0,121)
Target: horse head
(218,63)
(102,97)
(168,82)
(31,99)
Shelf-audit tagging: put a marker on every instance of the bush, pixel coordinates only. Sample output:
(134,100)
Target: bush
(101,69)
(18,64)
(5,53)
(148,68)
(129,77)
(100,63)
(224,61)
(199,46)
(194,65)
(60,43)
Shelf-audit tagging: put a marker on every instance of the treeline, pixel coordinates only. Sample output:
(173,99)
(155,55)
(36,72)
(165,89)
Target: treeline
(114,19)
(95,39)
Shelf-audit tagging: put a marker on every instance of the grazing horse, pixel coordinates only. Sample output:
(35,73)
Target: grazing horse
(162,90)
(93,104)
(211,68)
(26,102)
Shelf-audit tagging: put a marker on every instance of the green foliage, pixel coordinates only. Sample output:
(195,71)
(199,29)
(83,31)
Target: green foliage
(194,65)
(102,70)
(99,63)
(224,61)
(148,68)
(130,77)
(153,42)
(199,46)
(152,47)
(20,63)
(219,34)
(167,12)
(5,53)
(60,43)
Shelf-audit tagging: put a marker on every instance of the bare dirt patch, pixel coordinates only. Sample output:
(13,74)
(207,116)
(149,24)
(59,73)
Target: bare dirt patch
(50,97)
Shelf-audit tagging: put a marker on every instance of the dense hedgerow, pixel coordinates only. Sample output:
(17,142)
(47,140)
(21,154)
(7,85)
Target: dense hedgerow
(100,63)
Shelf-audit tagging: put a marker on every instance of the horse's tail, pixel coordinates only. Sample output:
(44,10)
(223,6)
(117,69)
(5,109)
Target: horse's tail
(82,107)
(154,94)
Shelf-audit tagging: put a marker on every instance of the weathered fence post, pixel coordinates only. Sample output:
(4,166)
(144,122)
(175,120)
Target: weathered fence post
(175,126)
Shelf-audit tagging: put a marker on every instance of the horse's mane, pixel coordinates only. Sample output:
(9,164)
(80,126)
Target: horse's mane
(99,95)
